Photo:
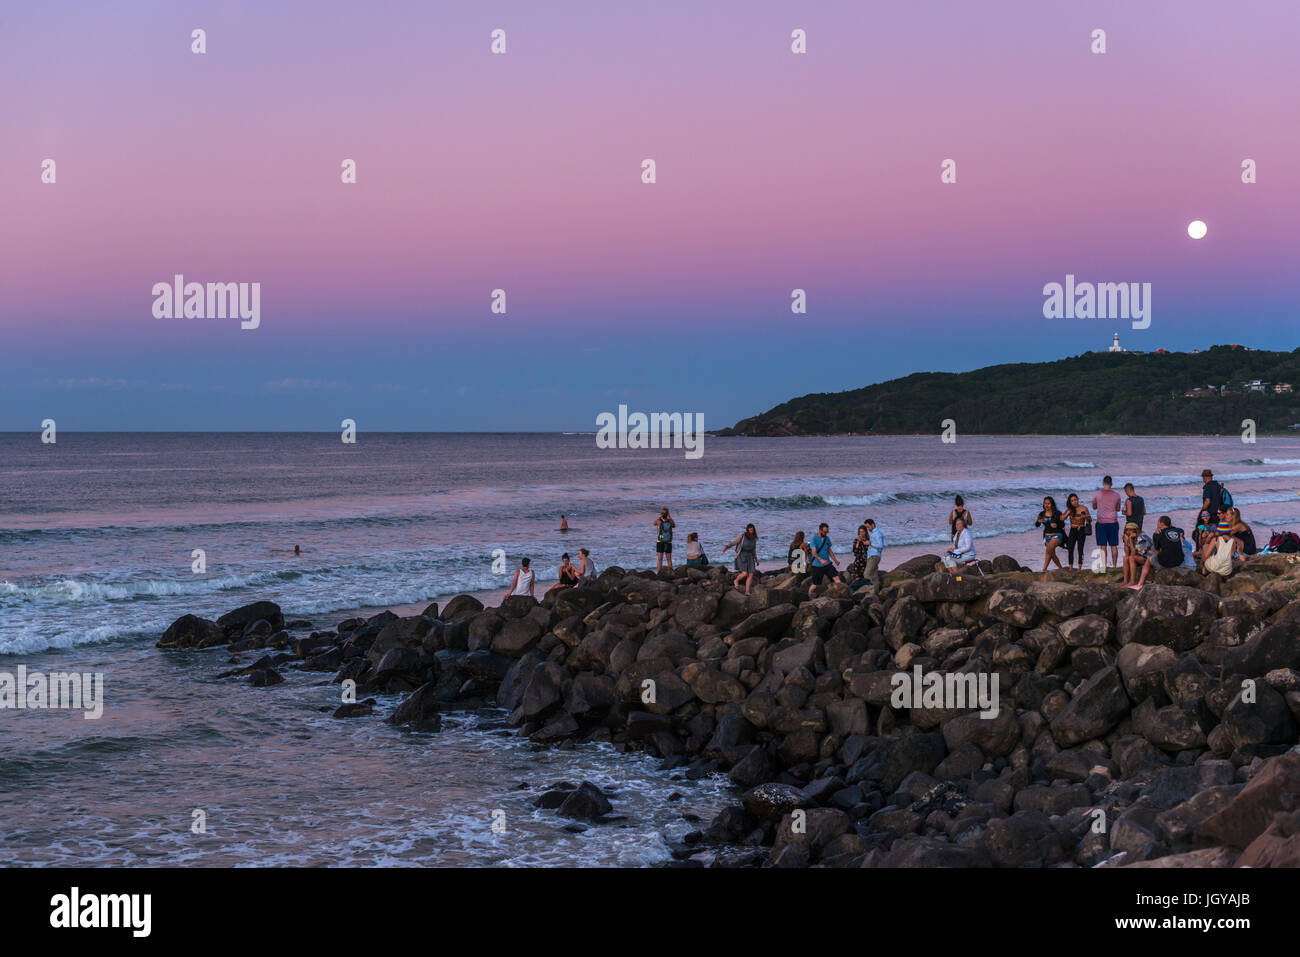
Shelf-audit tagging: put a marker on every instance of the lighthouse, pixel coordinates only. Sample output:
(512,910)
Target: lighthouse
(1115,346)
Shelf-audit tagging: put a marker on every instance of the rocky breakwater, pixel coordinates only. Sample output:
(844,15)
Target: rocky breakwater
(1153,728)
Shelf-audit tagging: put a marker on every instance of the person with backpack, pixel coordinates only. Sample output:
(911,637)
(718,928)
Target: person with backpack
(664,540)
(1215,499)
(1135,507)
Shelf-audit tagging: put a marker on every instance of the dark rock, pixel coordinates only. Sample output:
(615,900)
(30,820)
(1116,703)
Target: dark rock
(191,631)
(1170,615)
(1096,707)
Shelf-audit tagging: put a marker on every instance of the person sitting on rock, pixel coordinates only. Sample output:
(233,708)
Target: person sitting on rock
(522,583)
(963,546)
(1223,553)
(569,575)
(695,557)
(586,567)
(1167,550)
(1138,548)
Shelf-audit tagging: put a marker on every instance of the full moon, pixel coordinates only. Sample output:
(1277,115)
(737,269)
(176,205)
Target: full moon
(1197,229)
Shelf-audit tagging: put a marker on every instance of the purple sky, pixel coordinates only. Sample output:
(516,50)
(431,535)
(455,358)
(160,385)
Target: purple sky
(775,171)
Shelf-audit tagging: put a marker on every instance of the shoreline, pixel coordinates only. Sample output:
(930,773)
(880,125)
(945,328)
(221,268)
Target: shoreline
(1130,703)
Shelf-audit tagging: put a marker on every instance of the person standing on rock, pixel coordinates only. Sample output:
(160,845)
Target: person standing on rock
(875,551)
(1106,503)
(857,570)
(824,562)
(1211,495)
(522,583)
(959,511)
(799,555)
(746,545)
(1052,522)
(1135,506)
(664,541)
(1080,528)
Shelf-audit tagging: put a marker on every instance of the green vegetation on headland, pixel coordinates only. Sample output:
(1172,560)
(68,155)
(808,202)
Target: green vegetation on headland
(1131,393)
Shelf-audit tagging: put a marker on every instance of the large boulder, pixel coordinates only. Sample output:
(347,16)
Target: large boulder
(904,621)
(420,709)
(772,801)
(1059,598)
(1276,646)
(916,567)
(1143,668)
(1097,706)
(191,631)
(1167,615)
(1274,788)
(770,623)
(461,607)
(1016,608)
(1258,715)
(234,622)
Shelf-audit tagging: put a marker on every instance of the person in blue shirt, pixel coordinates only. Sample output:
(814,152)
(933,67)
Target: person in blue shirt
(824,562)
(871,571)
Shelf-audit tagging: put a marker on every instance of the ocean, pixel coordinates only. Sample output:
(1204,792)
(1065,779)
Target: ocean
(97,549)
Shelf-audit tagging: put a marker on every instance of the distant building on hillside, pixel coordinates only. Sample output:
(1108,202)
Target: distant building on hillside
(1282,387)
(1198,393)
(1115,346)
(1255,385)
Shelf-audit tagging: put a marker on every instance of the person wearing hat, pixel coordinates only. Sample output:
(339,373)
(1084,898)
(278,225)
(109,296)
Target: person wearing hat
(1222,552)
(1211,495)
(1137,549)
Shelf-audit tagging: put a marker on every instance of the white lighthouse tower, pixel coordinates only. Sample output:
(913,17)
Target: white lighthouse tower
(1115,346)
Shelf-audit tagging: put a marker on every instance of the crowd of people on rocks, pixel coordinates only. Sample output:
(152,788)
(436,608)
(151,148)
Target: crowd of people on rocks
(1219,542)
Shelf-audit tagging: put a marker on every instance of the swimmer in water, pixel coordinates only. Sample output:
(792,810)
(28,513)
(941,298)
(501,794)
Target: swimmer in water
(297,549)
(564,524)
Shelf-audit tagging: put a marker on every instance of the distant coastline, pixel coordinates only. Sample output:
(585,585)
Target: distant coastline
(1224,390)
